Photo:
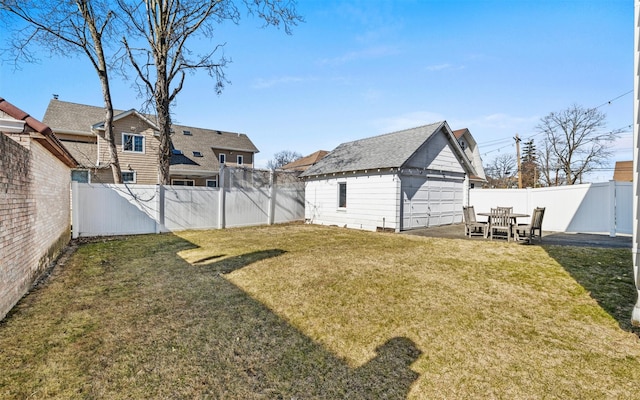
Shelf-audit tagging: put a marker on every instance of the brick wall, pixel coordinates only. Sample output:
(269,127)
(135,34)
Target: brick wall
(34,215)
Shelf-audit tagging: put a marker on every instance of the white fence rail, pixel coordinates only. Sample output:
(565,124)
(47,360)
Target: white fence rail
(108,209)
(589,208)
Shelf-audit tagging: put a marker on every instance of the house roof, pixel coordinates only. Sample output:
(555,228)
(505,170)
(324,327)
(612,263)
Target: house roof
(623,171)
(46,138)
(459,132)
(390,150)
(80,119)
(304,163)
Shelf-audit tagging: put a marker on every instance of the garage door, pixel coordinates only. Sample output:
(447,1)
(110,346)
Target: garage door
(430,202)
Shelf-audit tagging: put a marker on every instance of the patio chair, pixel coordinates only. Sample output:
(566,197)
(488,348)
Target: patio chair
(500,222)
(471,225)
(529,230)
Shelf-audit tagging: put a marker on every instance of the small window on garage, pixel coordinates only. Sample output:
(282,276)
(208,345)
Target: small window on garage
(342,194)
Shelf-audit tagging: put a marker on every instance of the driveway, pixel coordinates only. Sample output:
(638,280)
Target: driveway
(456,231)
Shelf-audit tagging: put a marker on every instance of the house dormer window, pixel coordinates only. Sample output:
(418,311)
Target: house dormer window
(240,160)
(463,144)
(132,143)
(222,158)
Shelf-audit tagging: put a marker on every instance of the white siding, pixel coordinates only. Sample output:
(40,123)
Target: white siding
(372,201)
(437,155)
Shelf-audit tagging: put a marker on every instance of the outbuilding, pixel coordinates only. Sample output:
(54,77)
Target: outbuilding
(403,180)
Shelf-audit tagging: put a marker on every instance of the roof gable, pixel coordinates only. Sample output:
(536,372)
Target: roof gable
(125,114)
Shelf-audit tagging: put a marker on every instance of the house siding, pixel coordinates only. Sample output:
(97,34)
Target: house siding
(34,215)
(372,201)
(232,157)
(145,164)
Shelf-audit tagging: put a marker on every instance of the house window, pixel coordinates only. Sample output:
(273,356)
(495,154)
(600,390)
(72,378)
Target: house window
(128,176)
(463,144)
(342,194)
(182,182)
(81,176)
(240,160)
(222,157)
(132,143)
(188,133)
(197,154)
(212,182)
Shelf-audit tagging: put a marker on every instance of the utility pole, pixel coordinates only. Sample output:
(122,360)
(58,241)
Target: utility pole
(517,139)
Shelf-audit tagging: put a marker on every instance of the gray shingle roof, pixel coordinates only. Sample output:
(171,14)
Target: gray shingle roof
(390,150)
(69,117)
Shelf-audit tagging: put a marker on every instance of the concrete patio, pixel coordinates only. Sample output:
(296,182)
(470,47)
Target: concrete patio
(456,231)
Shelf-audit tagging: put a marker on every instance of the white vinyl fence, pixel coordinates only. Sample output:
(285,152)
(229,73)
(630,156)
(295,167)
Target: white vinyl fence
(588,208)
(246,197)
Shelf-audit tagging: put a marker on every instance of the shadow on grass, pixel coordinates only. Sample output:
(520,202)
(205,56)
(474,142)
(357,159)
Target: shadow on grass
(152,325)
(607,274)
(274,359)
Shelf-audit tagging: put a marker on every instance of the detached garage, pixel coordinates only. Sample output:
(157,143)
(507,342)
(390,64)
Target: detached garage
(409,179)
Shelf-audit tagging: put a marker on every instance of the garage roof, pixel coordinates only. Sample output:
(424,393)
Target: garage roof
(390,150)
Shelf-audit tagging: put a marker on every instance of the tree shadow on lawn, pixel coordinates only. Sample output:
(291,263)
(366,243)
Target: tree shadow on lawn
(161,327)
(274,359)
(607,276)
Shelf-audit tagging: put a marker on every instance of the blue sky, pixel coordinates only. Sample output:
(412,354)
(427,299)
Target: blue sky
(356,69)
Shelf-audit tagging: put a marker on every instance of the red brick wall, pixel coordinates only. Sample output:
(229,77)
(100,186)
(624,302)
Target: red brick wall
(34,215)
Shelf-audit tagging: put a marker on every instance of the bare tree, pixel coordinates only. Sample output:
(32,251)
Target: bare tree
(501,171)
(283,157)
(164,29)
(550,172)
(66,28)
(574,142)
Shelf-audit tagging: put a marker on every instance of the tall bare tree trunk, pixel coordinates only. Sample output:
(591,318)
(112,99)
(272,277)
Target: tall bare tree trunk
(100,65)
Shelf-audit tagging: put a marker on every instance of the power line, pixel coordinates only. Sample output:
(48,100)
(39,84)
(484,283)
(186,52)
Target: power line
(531,136)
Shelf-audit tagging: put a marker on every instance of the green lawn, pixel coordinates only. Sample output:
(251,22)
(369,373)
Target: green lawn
(300,311)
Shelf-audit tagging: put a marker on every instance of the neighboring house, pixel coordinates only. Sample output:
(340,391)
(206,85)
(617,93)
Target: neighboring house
(302,164)
(197,153)
(403,180)
(35,220)
(623,171)
(470,147)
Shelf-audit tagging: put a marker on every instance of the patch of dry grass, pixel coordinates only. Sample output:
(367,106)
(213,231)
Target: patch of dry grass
(298,311)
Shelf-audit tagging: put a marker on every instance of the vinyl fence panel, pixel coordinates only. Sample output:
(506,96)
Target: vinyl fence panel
(190,207)
(588,208)
(106,209)
(289,204)
(251,198)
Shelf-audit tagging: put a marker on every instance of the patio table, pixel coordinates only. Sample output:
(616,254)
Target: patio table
(513,217)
